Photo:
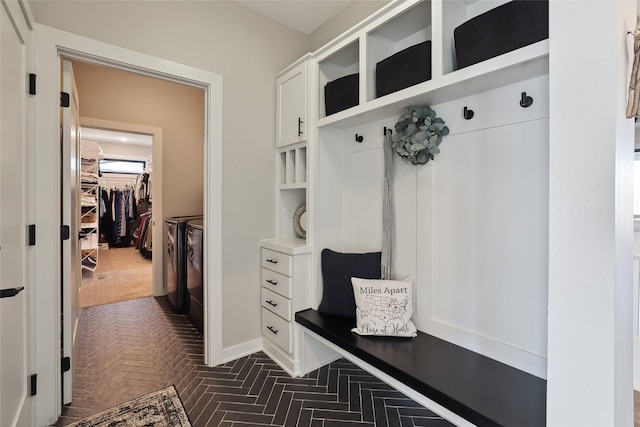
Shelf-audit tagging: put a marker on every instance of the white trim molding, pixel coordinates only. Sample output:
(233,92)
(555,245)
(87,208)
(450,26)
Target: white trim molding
(51,44)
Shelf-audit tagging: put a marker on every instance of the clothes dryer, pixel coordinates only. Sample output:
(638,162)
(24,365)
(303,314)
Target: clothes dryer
(175,280)
(195,272)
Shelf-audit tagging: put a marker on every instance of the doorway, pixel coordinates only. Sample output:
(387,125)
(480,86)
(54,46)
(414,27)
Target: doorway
(51,45)
(120,209)
(117,252)
(173,114)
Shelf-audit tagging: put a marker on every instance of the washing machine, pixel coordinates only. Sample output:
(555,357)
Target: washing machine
(195,271)
(175,272)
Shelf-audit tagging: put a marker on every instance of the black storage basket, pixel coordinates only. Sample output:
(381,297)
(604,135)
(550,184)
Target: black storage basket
(403,69)
(503,29)
(341,93)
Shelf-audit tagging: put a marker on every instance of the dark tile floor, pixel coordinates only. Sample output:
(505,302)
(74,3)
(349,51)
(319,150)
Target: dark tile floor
(135,347)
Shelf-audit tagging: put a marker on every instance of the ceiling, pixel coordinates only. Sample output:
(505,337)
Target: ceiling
(302,15)
(100,135)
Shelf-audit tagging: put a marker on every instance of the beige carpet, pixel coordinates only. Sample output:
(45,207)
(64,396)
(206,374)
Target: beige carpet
(122,274)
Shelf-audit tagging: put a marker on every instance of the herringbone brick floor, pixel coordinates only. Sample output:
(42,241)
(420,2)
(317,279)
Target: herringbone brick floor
(135,347)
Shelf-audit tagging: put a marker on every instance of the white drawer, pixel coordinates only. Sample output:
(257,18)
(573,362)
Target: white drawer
(276,329)
(276,303)
(276,261)
(276,282)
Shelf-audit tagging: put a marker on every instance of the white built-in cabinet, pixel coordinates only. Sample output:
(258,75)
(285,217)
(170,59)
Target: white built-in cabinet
(285,277)
(292,105)
(286,259)
(472,226)
(89,204)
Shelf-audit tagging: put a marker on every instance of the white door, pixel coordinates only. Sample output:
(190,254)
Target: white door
(291,106)
(70,216)
(13,245)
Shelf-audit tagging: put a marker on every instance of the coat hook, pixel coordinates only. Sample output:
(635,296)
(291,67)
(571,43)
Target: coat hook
(467,113)
(359,138)
(385,131)
(525,101)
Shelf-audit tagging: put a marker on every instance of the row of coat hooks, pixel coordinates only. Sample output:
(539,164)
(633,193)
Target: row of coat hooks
(525,102)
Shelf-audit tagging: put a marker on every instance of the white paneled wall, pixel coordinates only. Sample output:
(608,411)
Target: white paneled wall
(489,236)
(471,226)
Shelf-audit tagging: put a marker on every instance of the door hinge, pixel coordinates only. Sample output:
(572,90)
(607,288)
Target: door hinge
(65,364)
(65,232)
(32,84)
(33,384)
(32,234)
(64,99)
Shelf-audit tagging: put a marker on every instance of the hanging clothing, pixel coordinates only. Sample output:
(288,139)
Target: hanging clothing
(143,187)
(144,241)
(106,217)
(123,213)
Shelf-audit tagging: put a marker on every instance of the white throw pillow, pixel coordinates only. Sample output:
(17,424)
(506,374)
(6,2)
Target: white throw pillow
(384,307)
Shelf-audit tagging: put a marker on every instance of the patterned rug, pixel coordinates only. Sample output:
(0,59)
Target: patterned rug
(161,408)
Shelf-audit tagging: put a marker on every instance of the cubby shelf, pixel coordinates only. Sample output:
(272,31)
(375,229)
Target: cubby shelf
(293,186)
(403,24)
(293,167)
(521,64)
(89,153)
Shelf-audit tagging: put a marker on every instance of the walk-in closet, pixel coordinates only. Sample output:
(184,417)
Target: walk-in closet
(116,216)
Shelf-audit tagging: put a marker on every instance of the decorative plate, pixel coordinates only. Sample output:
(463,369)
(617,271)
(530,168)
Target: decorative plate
(300,221)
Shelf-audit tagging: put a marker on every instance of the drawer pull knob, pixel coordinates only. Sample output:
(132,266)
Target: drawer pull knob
(273,282)
(271,303)
(271,328)
(272,261)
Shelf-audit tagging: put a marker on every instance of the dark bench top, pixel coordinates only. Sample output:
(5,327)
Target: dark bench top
(475,387)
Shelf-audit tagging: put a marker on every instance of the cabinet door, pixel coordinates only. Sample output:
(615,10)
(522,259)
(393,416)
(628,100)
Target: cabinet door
(291,106)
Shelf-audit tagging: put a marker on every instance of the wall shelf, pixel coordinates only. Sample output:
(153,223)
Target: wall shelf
(89,153)
(409,28)
(342,63)
(293,186)
(521,64)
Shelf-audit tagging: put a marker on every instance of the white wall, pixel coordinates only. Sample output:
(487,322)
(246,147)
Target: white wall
(590,216)
(247,50)
(471,226)
(348,17)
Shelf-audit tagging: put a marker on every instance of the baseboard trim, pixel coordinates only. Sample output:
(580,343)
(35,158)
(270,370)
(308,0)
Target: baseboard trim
(241,350)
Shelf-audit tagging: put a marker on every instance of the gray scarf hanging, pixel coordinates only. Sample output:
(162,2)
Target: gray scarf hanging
(388,217)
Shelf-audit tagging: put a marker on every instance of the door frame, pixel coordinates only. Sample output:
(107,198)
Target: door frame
(50,45)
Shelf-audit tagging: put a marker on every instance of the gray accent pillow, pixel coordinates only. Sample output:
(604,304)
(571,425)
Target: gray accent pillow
(337,271)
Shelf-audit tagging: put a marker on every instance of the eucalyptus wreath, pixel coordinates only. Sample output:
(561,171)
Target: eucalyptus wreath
(418,134)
